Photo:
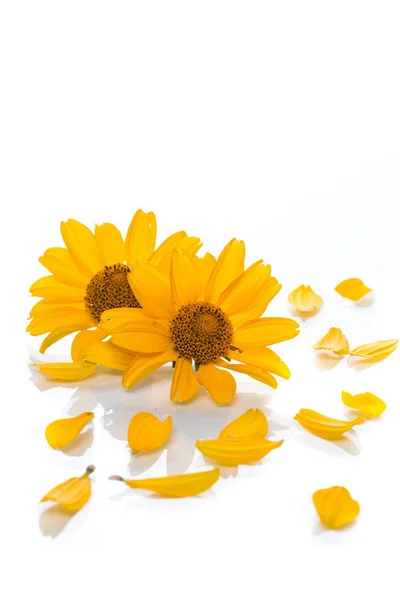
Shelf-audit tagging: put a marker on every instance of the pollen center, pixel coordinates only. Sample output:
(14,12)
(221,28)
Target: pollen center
(108,289)
(202,332)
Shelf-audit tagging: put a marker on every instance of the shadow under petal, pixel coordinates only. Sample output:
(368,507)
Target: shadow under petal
(53,520)
(80,444)
(180,453)
(325,362)
(365,302)
(142,462)
(361,365)
(345,443)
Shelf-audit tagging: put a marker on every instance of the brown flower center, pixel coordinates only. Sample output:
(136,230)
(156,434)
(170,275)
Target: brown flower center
(108,289)
(202,332)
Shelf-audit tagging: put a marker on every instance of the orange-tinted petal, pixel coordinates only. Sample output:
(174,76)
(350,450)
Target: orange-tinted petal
(61,432)
(72,494)
(219,384)
(323,426)
(250,425)
(335,506)
(367,403)
(147,433)
(184,383)
(175,486)
(353,289)
(234,452)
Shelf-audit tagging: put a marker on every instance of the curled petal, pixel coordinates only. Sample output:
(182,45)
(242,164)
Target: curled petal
(147,433)
(353,289)
(234,452)
(251,425)
(61,432)
(335,507)
(375,351)
(323,426)
(367,403)
(73,493)
(175,486)
(73,371)
(335,341)
(305,300)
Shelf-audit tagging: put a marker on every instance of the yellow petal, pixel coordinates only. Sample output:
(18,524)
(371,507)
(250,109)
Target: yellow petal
(55,336)
(184,284)
(245,289)
(184,383)
(152,290)
(367,403)
(141,367)
(175,486)
(147,433)
(305,300)
(83,247)
(204,267)
(74,371)
(61,432)
(261,358)
(141,237)
(65,317)
(125,320)
(353,289)
(265,332)
(323,426)
(73,493)
(230,264)
(219,384)
(83,339)
(335,507)
(145,343)
(251,425)
(335,341)
(161,258)
(59,262)
(253,372)
(53,291)
(107,355)
(259,305)
(234,452)
(375,351)
(111,243)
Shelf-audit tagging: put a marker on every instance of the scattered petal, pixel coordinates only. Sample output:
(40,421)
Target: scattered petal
(250,425)
(73,371)
(305,300)
(73,493)
(147,433)
(233,452)
(175,486)
(352,289)
(335,341)
(61,432)
(335,507)
(375,351)
(323,426)
(367,403)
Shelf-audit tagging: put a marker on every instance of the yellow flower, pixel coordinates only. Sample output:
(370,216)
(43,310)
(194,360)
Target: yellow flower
(174,486)
(375,351)
(207,313)
(73,493)
(335,507)
(147,433)
(323,426)
(335,341)
(61,432)
(352,289)
(305,300)
(367,403)
(90,275)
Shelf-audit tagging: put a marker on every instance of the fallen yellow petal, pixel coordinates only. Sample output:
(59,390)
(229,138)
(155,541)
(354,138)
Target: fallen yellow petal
(375,351)
(323,426)
(233,452)
(73,493)
(61,432)
(73,371)
(305,300)
(175,486)
(335,507)
(249,426)
(147,433)
(335,341)
(353,289)
(367,403)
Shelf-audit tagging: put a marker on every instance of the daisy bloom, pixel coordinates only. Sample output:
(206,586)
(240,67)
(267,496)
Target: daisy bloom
(89,276)
(205,318)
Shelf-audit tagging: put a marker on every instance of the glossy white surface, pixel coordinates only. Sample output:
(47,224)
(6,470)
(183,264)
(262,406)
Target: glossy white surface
(277,123)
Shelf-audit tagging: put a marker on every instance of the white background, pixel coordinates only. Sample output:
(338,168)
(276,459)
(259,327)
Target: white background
(276,122)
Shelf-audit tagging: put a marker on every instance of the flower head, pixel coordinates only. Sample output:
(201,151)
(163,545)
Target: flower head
(205,317)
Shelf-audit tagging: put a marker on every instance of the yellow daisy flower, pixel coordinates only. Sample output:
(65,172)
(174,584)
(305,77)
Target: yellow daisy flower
(206,313)
(89,276)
